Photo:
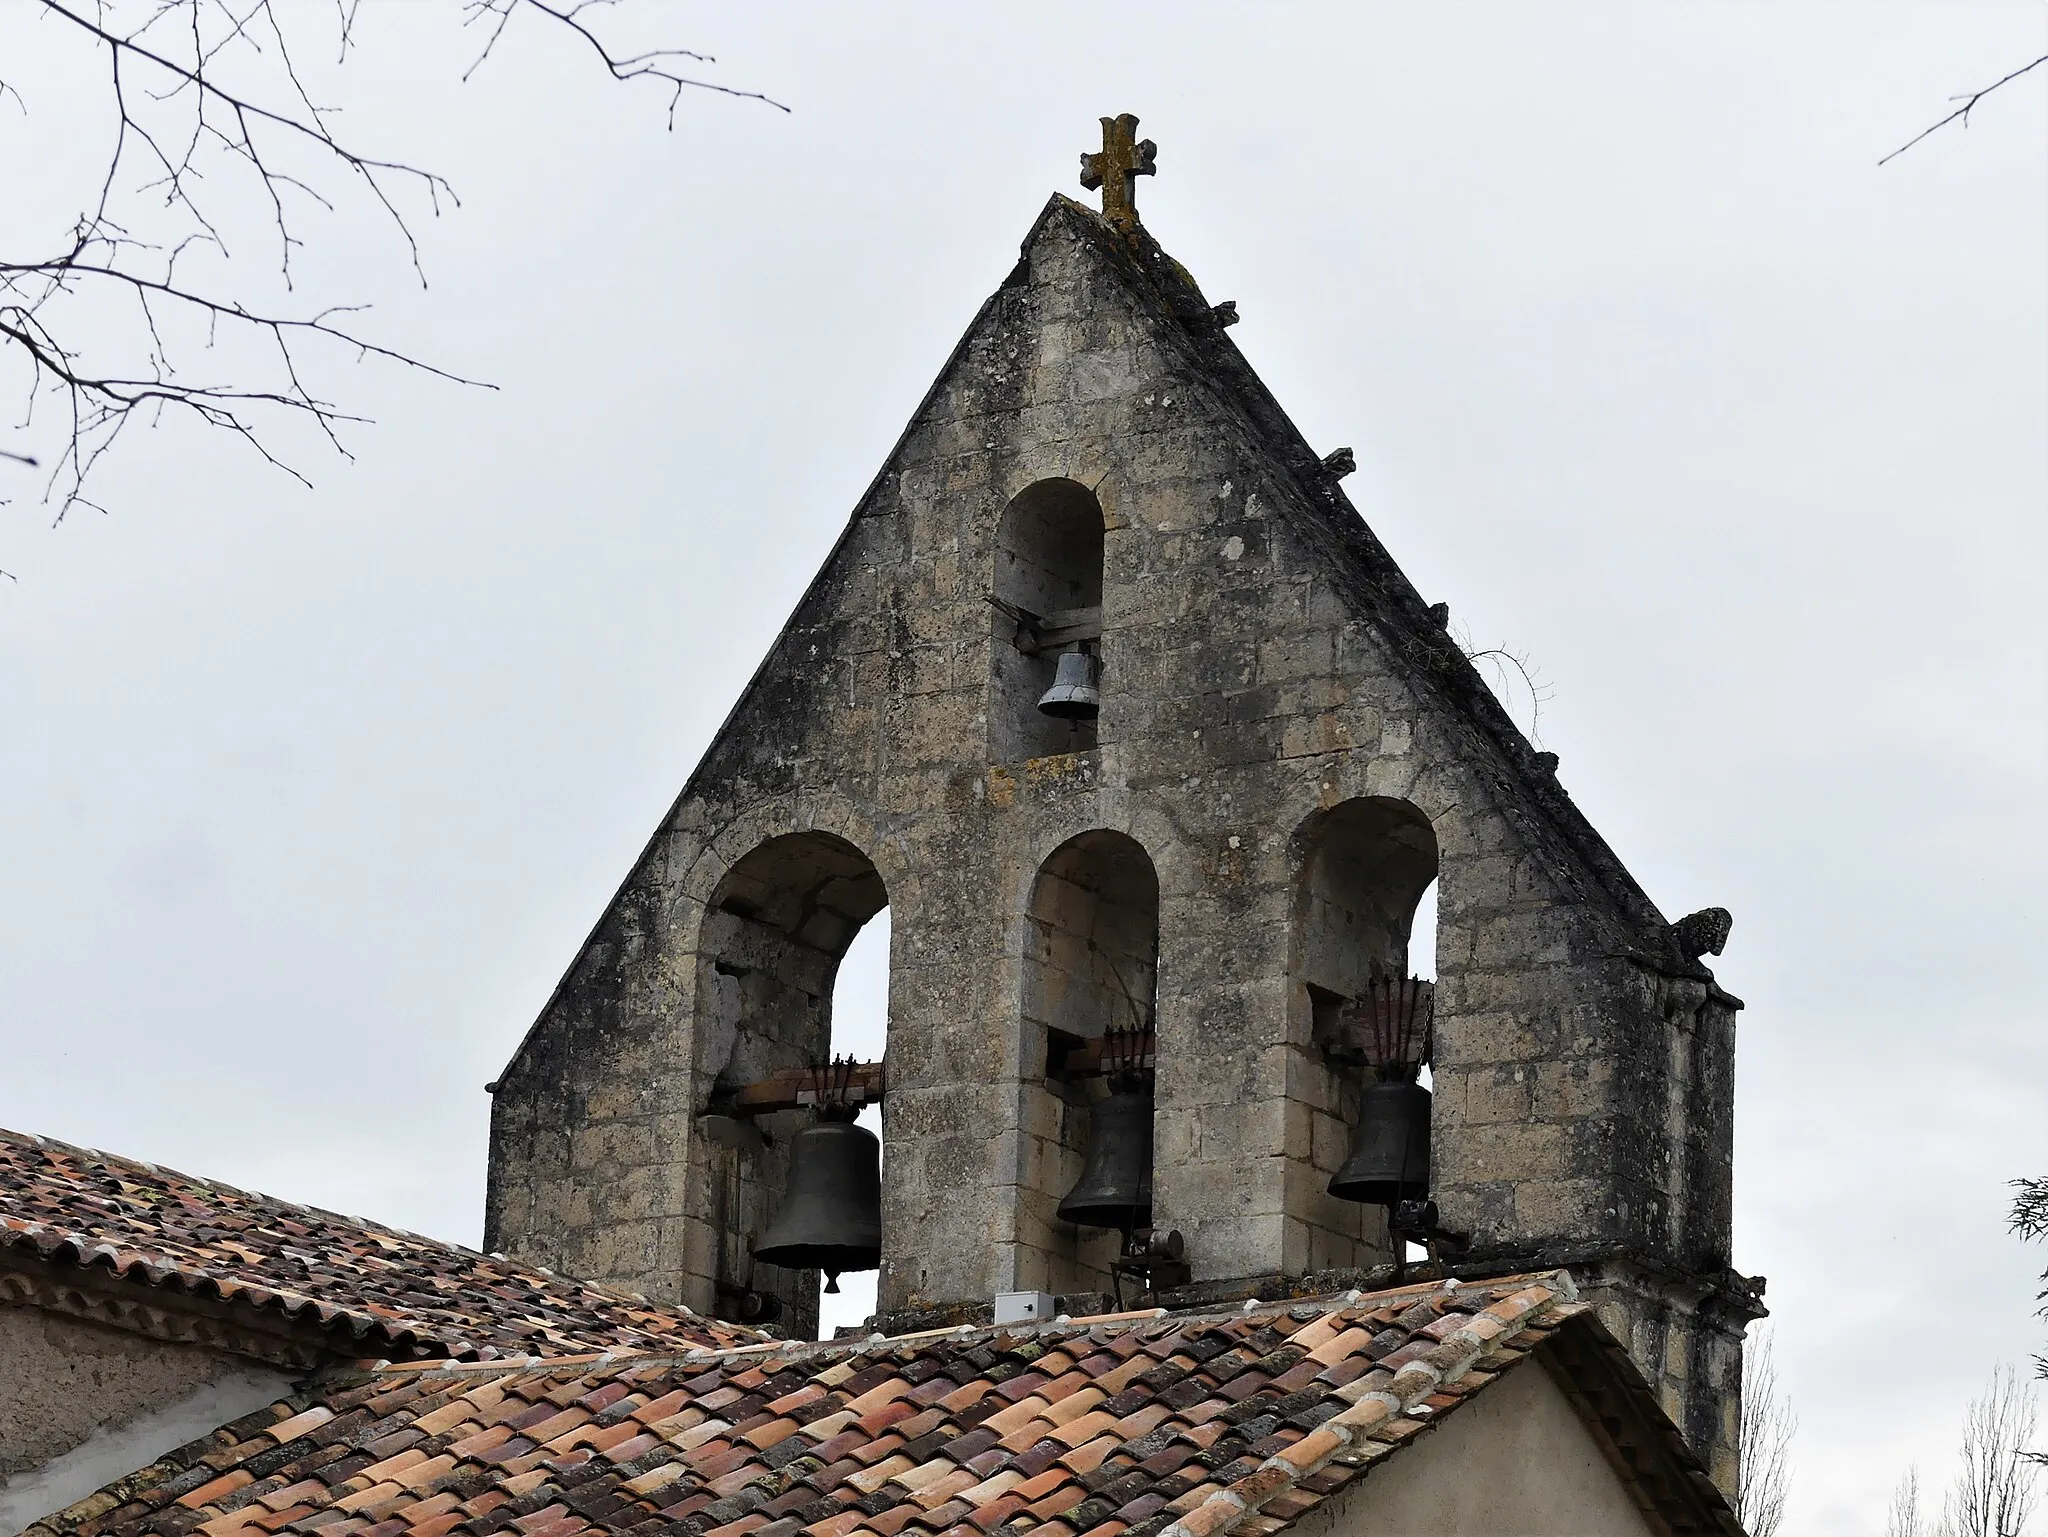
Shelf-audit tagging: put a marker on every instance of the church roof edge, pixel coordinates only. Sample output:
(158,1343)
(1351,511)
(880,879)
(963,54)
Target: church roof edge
(138,1231)
(1173,1426)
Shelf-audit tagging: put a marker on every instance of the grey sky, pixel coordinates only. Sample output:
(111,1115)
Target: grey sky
(1652,374)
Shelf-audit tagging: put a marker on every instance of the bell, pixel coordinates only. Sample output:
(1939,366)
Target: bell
(1073,695)
(1115,1187)
(1389,1159)
(831,1216)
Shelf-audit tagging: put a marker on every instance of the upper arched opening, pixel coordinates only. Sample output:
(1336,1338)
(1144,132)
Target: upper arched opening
(1049,547)
(815,888)
(1365,864)
(1047,587)
(1094,958)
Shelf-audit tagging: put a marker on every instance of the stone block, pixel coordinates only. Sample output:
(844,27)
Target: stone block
(1573,1089)
(619,1252)
(1289,657)
(1472,1039)
(607,1148)
(1309,1080)
(1527,938)
(1516,1151)
(1330,1143)
(1310,736)
(1560,1208)
(1480,1096)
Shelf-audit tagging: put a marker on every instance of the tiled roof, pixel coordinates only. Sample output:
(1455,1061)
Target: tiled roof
(1127,1426)
(369,1290)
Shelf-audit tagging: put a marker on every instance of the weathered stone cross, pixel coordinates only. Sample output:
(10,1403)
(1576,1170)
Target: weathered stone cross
(1124,158)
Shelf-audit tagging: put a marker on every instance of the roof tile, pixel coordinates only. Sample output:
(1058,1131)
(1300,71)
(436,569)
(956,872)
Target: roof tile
(366,1289)
(1112,1429)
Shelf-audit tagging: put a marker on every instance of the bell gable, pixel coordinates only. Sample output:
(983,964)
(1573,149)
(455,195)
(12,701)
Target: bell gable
(1111,697)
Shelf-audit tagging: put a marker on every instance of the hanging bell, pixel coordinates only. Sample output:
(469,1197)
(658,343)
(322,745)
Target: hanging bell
(1115,1187)
(1073,695)
(831,1216)
(1389,1159)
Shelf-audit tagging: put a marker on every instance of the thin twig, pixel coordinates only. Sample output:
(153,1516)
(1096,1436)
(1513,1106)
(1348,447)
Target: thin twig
(1502,659)
(1963,112)
(205,101)
(652,65)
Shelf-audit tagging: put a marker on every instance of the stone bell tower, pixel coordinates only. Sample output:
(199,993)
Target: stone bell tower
(1289,749)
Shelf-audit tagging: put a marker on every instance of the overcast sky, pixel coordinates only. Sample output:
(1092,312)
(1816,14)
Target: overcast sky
(1652,373)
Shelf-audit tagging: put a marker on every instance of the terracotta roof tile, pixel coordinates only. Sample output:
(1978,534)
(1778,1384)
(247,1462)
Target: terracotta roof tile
(1136,1427)
(366,1290)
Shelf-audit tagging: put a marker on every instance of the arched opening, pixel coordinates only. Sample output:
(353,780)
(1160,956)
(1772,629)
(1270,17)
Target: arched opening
(1422,935)
(779,926)
(1047,592)
(1091,966)
(1366,865)
(1422,948)
(860,1029)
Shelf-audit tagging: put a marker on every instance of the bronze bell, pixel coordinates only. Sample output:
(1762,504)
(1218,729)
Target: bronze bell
(1073,695)
(1115,1187)
(831,1216)
(1389,1159)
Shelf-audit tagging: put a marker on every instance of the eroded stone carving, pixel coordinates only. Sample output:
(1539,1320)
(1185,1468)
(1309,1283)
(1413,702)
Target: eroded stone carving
(1704,932)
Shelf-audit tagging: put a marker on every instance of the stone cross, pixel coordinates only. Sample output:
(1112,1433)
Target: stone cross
(1123,159)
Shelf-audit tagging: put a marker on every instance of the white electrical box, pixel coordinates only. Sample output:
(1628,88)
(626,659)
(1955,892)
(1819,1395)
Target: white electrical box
(1024,1307)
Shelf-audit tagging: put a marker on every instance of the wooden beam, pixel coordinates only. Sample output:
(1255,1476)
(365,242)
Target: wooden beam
(794,1088)
(1085,1060)
(1040,633)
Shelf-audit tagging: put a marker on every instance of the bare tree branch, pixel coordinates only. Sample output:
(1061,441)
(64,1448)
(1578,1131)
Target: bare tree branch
(2030,1212)
(210,120)
(1505,667)
(1902,1516)
(1763,1441)
(2029,1219)
(653,65)
(1962,113)
(1994,1489)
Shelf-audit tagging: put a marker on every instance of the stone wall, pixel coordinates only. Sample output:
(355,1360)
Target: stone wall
(1515,1462)
(64,1381)
(1264,666)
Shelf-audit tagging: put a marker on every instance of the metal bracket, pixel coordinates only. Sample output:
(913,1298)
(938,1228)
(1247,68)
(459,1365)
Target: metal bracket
(1417,1222)
(1156,1257)
(743,1305)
